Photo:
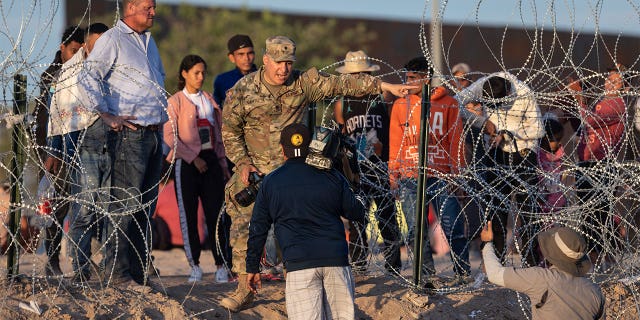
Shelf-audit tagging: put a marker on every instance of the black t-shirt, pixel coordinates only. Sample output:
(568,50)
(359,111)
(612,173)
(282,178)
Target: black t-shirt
(366,120)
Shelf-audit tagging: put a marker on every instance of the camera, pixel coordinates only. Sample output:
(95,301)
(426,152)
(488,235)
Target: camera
(324,148)
(248,195)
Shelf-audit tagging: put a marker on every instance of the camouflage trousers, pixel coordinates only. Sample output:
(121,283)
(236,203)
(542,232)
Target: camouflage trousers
(240,218)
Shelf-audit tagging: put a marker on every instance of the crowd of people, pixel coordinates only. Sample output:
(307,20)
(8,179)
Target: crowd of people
(109,126)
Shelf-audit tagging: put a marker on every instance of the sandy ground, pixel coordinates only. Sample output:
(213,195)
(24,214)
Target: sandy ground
(378,296)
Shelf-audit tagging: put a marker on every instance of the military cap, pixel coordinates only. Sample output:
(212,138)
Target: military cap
(281,48)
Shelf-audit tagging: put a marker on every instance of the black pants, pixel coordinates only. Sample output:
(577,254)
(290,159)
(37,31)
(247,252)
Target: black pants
(595,192)
(208,187)
(66,186)
(54,233)
(374,183)
(513,173)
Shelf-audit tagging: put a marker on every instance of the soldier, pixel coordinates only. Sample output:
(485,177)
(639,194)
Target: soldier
(256,110)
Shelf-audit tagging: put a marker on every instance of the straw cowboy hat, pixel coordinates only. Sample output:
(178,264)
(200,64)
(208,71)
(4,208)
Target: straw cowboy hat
(357,61)
(565,249)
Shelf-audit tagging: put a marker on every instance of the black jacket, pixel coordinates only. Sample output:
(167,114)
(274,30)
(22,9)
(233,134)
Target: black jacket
(305,205)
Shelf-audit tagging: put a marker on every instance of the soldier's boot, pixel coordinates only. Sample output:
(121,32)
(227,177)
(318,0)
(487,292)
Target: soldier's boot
(241,298)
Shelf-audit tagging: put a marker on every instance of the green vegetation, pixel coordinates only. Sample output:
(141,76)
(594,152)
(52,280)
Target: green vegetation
(186,29)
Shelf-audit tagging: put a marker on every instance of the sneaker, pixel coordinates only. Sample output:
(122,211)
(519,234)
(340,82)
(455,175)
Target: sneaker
(222,276)
(270,277)
(272,274)
(196,274)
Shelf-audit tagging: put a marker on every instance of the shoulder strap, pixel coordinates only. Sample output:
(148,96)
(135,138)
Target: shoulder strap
(543,299)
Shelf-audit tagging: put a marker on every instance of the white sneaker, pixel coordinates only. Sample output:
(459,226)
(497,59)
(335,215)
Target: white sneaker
(222,276)
(196,274)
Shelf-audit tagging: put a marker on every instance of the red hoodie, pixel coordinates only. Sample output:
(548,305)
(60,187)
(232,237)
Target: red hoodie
(603,130)
(446,145)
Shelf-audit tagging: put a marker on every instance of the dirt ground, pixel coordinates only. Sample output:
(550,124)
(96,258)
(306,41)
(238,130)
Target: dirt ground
(377,297)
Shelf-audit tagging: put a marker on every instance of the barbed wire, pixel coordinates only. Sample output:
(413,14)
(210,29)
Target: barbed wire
(600,199)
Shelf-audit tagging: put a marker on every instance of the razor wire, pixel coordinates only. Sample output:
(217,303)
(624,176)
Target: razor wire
(614,180)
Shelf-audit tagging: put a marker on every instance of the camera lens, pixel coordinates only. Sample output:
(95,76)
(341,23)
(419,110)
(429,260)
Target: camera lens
(248,195)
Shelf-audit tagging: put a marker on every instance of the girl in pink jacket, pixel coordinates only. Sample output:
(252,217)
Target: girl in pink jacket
(193,134)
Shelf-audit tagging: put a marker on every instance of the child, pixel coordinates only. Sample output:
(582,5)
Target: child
(551,157)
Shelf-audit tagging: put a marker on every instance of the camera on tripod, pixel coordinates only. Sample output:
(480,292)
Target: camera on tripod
(248,195)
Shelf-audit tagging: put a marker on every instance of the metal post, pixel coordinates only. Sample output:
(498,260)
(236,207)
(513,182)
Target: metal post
(436,39)
(423,156)
(18,140)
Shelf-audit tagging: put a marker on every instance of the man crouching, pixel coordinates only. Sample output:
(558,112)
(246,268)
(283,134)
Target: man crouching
(305,205)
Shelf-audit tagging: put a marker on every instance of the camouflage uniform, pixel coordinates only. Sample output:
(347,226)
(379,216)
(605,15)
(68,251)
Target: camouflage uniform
(252,120)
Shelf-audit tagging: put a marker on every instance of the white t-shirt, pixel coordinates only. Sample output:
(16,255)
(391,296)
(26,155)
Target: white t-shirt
(205,109)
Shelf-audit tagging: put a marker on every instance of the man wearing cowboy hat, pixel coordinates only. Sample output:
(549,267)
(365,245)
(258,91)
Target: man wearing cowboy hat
(561,291)
(365,120)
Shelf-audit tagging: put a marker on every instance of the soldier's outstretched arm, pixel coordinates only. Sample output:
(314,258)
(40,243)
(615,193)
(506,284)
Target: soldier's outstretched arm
(398,90)
(320,85)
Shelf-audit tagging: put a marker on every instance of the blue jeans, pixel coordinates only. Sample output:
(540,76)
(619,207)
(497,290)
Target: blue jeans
(451,218)
(94,183)
(137,166)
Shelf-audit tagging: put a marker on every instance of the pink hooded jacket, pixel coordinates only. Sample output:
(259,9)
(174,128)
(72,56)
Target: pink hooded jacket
(183,116)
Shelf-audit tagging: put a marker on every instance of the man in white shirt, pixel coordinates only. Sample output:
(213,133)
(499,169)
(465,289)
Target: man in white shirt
(81,130)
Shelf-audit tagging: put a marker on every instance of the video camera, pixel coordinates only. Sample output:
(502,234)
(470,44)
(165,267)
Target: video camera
(323,148)
(248,195)
(329,145)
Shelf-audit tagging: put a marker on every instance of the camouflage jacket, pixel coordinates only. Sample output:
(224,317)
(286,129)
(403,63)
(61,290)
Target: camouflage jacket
(253,117)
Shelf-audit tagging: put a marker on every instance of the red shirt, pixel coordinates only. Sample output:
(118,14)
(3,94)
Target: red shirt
(602,130)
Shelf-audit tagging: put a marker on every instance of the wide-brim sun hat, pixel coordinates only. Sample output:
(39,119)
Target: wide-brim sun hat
(565,249)
(357,61)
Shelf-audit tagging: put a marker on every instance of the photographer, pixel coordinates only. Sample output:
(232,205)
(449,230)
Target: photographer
(305,204)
